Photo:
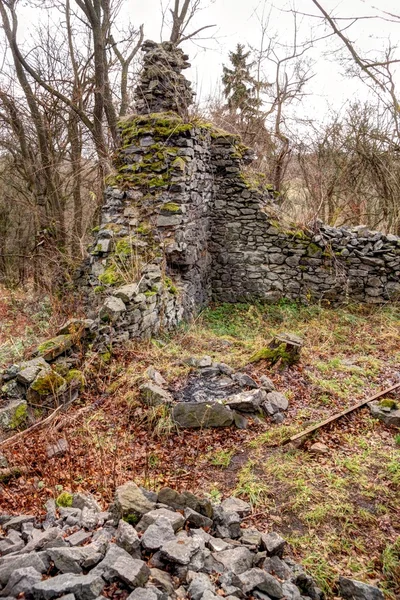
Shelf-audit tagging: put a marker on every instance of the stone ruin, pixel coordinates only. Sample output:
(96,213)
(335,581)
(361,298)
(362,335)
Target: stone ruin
(152,546)
(181,225)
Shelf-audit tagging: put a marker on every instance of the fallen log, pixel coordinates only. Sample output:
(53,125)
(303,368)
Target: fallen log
(337,416)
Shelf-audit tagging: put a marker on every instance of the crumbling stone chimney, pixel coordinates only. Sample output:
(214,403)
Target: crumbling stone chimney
(162,87)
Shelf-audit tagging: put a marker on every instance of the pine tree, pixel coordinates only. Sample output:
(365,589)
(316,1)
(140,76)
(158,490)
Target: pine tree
(239,85)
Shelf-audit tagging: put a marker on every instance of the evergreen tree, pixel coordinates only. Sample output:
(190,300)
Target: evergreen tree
(240,87)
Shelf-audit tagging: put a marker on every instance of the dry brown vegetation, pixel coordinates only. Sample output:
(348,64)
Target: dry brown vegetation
(339,511)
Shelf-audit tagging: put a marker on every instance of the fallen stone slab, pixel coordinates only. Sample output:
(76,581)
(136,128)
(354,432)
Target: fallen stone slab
(130,502)
(176,520)
(84,587)
(154,395)
(351,589)
(246,401)
(21,582)
(389,416)
(196,415)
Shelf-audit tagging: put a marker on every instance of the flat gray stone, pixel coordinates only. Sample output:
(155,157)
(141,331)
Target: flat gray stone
(267,384)
(74,560)
(180,550)
(195,415)
(238,560)
(273,543)
(113,554)
(154,395)
(84,587)
(162,580)
(176,520)
(13,542)
(30,369)
(81,501)
(232,504)
(260,580)
(157,534)
(389,417)
(78,538)
(17,522)
(275,402)
(8,564)
(143,594)
(195,519)
(21,582)
(351,589)
(129,501)
(246,401)
(128,539)
(199,583)
(244,380)
(58,449)
(131,571)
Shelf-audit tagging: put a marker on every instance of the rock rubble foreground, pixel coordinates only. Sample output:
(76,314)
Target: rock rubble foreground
(152,546)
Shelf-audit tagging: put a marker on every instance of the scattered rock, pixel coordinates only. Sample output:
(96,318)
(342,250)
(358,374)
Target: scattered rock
(157,534)
(275,402)
(153,395)
(351,589)
(198,415)
(319,448)
(267,384)
(389,416)
(246,401)
(130,502)
(84,587)
(58,449)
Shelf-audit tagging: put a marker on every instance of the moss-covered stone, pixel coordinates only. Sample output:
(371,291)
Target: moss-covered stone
(52,348)
(111,276)
(47,384)
(64,500)
(75,378)
(171,207)
(388,403)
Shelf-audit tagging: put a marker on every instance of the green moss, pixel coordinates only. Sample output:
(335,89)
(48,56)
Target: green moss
(106,357)
(47,384)
(143,228)
(99,289)
(169,284)
(388,403)
(96,229)
(19,417)
(150,293)
(179,164)
(110,276)
(55,346)
(132,519)
(64,499)
(74,375)
(171,207)
(124,247)
(313,250)
(273,355)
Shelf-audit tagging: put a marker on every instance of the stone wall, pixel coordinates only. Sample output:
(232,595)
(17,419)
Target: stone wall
(182,224)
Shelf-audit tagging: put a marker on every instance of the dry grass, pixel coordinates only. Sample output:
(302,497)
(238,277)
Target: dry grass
(340,511)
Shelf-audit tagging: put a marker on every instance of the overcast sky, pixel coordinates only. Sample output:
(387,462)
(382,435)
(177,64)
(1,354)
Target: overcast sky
(239,21)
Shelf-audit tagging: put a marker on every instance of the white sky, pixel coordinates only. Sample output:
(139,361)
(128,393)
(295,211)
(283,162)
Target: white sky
(237,21)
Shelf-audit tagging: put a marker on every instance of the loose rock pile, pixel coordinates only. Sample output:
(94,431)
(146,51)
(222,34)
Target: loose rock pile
(216,397)
(151,546)
(50,378)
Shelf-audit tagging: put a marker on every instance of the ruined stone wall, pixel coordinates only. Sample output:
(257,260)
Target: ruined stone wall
(256,255)
(182,224)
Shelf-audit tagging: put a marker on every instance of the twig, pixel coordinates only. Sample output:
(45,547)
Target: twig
(338,415)
(37,425)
